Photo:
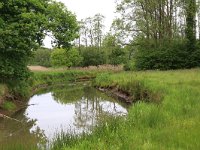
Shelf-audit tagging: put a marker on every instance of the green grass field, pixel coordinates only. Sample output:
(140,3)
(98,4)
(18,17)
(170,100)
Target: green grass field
(169,120)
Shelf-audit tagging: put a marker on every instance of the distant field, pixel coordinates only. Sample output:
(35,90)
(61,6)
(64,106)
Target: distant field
(90,68)
(38,68)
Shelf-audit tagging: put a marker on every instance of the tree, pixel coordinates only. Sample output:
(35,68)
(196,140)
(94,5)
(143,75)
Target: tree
(190,32)
(23,24)
(93,57)
(151,19)
(98,29)
(59,58)
(198,13)
(109,44)
(118,56)
(41,57)
(62,23)
(92,30)
(156,27)
(62,58)
(74,57)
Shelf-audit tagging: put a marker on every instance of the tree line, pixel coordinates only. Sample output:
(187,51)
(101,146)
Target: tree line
(163,33)
(93,47)
(148,34)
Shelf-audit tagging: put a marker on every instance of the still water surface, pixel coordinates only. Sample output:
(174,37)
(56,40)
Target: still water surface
(74,108)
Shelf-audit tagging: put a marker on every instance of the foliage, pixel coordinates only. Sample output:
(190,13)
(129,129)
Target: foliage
(68,58)
(59,58)
(164,56)
(157,20)
(158,33)
(117,56)
(190,31)
(74,57)
(41,57)
(92,56)
(62,24)
(130,65)
(23,26)
(91,31)
(109,44)
(17,39)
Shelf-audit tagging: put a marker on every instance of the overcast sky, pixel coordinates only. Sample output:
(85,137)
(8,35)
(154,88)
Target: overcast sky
(88,8)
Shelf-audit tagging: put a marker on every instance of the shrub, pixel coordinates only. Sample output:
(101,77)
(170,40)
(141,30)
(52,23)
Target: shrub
(129,65)
(118,56)
(41,57)
(92,56)
(68,58)
(164,56)
(74,57)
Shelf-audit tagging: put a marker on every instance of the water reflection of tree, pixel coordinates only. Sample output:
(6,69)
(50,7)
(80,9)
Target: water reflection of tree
(88,104)
(18,135)
(89,109)
(87,112)
(67,94)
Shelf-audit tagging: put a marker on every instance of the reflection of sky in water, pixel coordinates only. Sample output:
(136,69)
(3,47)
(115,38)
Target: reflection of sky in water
(53,117)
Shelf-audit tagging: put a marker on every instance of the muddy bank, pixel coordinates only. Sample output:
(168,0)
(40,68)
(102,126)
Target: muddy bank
(133,97)
(118,94)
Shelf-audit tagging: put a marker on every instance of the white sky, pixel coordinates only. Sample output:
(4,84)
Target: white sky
(88,8)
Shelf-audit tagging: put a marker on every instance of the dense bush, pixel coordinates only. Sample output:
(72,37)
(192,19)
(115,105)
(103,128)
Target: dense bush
(41,57)
(117,56)
(129,65)
(68,58)
(92,56)
(165,56)
(74,57)
(59,58)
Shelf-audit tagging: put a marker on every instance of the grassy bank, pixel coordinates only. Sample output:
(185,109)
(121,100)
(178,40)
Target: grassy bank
(16,97)
(52,78)
(173,122)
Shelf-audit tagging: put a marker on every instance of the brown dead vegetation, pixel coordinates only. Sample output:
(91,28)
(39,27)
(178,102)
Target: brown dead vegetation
(89,68)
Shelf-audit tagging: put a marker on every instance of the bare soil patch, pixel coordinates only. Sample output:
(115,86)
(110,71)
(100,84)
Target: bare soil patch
(38,68)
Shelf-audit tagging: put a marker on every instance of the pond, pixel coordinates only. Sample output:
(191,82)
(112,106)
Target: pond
(68,109)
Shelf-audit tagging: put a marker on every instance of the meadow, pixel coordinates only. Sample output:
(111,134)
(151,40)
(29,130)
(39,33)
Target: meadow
(166,115)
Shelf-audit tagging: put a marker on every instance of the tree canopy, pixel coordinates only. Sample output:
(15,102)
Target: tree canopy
(23,26)
(163,32)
